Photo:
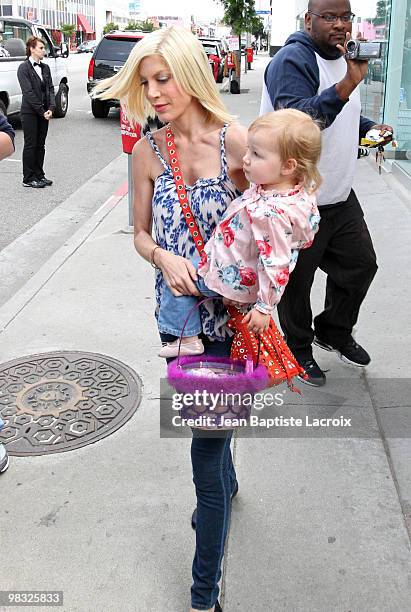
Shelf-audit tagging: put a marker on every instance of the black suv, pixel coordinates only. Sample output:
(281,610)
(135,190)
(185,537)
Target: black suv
(109,57)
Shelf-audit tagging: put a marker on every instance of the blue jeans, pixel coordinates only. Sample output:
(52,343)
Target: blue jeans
(214,479)
(174,310)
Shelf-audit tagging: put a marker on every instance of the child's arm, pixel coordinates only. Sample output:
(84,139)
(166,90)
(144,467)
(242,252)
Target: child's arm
(280,231)
(273,237)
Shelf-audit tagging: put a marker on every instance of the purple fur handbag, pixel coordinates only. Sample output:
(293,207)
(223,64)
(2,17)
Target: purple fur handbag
(219,390)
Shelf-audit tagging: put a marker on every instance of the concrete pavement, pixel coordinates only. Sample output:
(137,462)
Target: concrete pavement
(319,525)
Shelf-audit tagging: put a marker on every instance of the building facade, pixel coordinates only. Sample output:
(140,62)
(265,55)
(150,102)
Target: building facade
(386,90)
(119,12)
(53,13)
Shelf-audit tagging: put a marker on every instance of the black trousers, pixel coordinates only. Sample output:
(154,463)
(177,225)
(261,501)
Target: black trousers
(35,131)
(343,249)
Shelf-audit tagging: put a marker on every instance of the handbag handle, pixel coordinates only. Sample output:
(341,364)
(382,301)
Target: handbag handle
(182,192)
(192,309)
(189,219)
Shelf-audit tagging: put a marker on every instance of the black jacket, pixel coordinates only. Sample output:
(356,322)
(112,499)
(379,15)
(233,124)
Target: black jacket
(6,127)
(31,87)
(292,79)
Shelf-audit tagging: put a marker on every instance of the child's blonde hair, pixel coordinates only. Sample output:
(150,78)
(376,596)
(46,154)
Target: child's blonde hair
(295,136)
(187,62)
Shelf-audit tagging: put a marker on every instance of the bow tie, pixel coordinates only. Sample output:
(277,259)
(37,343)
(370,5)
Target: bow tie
(36,63)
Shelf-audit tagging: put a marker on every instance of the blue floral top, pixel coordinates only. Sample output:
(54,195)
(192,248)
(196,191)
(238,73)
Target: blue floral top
(208,199)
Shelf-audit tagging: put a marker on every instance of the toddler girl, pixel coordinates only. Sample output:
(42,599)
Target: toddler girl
(255,247)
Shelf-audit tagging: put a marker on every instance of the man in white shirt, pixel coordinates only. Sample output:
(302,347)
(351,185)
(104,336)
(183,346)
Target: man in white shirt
(310,73)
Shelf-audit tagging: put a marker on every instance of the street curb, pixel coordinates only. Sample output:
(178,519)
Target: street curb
(16,304)
(22,258)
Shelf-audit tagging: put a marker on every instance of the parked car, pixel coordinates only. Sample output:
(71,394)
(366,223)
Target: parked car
(109,57)
(88,46)
(14,32)
(221,41)
(216,56)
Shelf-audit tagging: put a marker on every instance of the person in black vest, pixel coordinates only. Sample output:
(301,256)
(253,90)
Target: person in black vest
(36,110)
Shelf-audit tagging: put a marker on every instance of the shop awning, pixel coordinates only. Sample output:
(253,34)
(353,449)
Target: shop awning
(83,24)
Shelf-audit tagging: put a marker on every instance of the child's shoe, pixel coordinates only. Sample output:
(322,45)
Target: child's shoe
(170,349)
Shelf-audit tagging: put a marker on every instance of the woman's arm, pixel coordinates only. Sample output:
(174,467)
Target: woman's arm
(179,273)
(142,196)
(236,146)
(52,96)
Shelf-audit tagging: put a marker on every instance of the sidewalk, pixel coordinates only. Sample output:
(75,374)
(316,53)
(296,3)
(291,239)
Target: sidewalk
(318,525)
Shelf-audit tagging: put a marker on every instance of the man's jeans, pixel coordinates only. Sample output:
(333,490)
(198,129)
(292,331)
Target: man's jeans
(343,249)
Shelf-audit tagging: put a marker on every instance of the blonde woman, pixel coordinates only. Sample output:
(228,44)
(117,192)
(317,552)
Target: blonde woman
(255,247)
(168,74)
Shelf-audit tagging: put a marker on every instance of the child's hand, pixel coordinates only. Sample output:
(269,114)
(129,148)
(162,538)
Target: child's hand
(257,321)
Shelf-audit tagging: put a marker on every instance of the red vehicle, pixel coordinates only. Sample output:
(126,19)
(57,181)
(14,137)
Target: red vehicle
(216,57)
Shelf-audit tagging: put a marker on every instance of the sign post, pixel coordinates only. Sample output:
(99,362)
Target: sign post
(235,62)
(130,134)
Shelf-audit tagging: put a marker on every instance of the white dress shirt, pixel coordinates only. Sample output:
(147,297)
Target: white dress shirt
(36,68)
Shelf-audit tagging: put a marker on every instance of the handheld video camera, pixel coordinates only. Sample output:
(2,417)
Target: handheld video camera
(357,49)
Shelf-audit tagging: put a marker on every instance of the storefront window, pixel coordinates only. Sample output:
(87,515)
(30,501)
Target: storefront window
(404,110)
(372,22)
(397,108)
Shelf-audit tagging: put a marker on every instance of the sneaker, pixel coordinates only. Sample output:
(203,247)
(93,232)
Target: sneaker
(46,182)
(170,349)
(34,184)
(4,459)
(315,377)
(350,352)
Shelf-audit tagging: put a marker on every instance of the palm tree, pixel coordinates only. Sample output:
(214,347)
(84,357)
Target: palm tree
(68,29)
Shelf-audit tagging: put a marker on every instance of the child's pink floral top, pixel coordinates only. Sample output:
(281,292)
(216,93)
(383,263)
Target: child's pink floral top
(255,247)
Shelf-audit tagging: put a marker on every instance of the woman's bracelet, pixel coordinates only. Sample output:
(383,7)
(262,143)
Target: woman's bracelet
(152,257)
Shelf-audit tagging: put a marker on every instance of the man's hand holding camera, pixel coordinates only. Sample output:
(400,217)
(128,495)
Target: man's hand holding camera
(356,71)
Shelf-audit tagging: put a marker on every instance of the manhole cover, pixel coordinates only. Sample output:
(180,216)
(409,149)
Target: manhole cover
(60,401)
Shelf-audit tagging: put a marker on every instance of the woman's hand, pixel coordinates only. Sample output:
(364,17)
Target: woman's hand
(257,321)
(178,272)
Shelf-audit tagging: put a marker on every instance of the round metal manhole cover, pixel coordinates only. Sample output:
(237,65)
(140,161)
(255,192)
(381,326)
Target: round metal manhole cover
(60,401)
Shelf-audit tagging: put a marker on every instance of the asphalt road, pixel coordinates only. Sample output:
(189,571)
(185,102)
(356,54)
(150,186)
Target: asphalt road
(77,147)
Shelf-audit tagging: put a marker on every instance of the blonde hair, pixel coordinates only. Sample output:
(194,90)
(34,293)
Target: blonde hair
(296,136)
(187,62)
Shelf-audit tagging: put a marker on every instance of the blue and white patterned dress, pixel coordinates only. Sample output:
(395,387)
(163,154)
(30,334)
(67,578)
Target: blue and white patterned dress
(208,199)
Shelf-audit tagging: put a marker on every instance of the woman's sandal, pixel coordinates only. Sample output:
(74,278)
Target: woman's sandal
(194,516)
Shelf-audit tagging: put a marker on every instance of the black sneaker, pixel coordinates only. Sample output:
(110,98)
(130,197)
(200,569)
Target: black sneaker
(46,182)
(315,375)
(350,352)
(4,459)
(34,184)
